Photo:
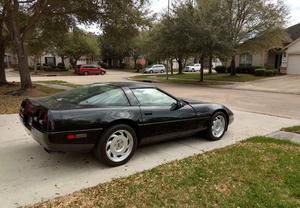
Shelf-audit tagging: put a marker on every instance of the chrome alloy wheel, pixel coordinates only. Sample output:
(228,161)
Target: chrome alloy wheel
(218,126)
(119,145)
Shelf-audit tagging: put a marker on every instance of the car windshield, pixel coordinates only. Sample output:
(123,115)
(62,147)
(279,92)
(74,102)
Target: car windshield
(96,94)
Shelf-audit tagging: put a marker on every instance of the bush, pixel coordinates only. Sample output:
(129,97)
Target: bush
(61,66)
(247,69)
(139,67)
(103,65)
(260,72)
(269,73)
(220,69)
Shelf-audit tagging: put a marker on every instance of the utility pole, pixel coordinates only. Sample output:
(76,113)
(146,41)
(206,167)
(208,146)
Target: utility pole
(167,59)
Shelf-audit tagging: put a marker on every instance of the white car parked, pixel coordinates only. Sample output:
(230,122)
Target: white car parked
(193,68)
(157,68)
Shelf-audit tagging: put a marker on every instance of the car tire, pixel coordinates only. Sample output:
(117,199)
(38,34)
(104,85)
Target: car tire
(151,71)
(116,146)
(217,126)
(162,71)
(86,73)
(193,70)
(102,73)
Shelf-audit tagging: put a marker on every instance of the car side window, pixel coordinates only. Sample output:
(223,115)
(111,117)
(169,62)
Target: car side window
(153,97)
(114,97)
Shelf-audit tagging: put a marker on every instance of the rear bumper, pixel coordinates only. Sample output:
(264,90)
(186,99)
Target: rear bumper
(57,142)
(44,139)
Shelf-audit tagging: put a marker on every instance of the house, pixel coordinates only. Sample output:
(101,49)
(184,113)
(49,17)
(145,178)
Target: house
(284,58)
(53,60)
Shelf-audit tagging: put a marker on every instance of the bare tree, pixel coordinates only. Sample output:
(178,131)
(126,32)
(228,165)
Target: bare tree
(247,19)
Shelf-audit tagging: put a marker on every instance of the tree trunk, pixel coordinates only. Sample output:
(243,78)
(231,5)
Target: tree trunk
(232,66)
(3,80)
(135,65)
(172,69)
(210,63)
(63,60)
(35,59)
(202,68)
(23,65)
(180,67)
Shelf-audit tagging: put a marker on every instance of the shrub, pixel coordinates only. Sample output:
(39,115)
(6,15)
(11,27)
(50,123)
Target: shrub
(247,69)
(103,65)
(61,66)
(260,72)
(220,69)
(139,67)
(269,73)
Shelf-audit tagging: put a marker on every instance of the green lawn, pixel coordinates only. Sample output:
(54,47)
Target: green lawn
(10,104)
(59,82)
(194,77)
(260,172)
(293,129)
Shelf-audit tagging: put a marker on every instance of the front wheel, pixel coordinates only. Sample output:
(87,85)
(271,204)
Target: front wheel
(117,145)
(162,71)
(217,126)
(86,73)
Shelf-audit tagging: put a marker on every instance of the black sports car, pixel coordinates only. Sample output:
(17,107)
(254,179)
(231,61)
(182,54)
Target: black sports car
(112,119)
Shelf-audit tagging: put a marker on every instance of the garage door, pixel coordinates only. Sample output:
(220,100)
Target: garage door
(294,64)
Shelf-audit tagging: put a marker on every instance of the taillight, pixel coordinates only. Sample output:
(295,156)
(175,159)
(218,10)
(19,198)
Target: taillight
(29,108)
(43,118)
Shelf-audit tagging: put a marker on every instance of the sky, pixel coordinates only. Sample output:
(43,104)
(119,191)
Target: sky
(158,6)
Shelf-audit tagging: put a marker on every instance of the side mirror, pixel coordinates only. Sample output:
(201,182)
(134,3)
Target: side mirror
(178,105)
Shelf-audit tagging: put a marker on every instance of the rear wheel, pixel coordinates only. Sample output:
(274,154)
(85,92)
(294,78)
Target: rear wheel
(217,126)
(117,145)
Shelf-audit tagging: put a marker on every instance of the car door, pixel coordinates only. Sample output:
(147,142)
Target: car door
(161,118)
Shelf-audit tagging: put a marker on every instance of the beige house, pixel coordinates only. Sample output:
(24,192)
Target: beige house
(285,59)
(291,58)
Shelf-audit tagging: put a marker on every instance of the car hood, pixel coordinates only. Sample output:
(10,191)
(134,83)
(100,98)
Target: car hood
(189,101)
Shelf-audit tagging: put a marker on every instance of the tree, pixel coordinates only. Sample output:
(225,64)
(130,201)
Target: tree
(21,26)
(81,44)
(247,19)
(23,17)
(121,28)
(171,38)
(208,35)
(4,39)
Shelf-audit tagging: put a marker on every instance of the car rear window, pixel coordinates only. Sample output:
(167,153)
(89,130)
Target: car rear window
(94,95)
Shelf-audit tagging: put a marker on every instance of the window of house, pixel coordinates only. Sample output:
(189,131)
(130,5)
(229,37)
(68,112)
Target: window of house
(245,59)
(50,61)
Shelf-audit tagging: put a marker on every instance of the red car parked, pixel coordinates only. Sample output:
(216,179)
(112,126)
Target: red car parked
(87,69)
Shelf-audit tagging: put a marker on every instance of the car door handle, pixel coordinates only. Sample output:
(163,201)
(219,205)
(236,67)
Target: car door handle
(148,113)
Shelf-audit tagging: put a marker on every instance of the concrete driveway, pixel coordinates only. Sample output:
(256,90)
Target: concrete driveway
(28,174)
(283,84)
(110,76)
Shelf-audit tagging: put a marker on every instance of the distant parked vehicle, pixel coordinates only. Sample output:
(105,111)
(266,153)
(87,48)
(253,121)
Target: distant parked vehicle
(89,69)
(193,68)
(157,68)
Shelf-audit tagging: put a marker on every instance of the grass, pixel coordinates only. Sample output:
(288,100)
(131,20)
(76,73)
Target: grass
(194,78)
(10,104)
(59,82)
(53,73)
(260,172)
(293,129)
